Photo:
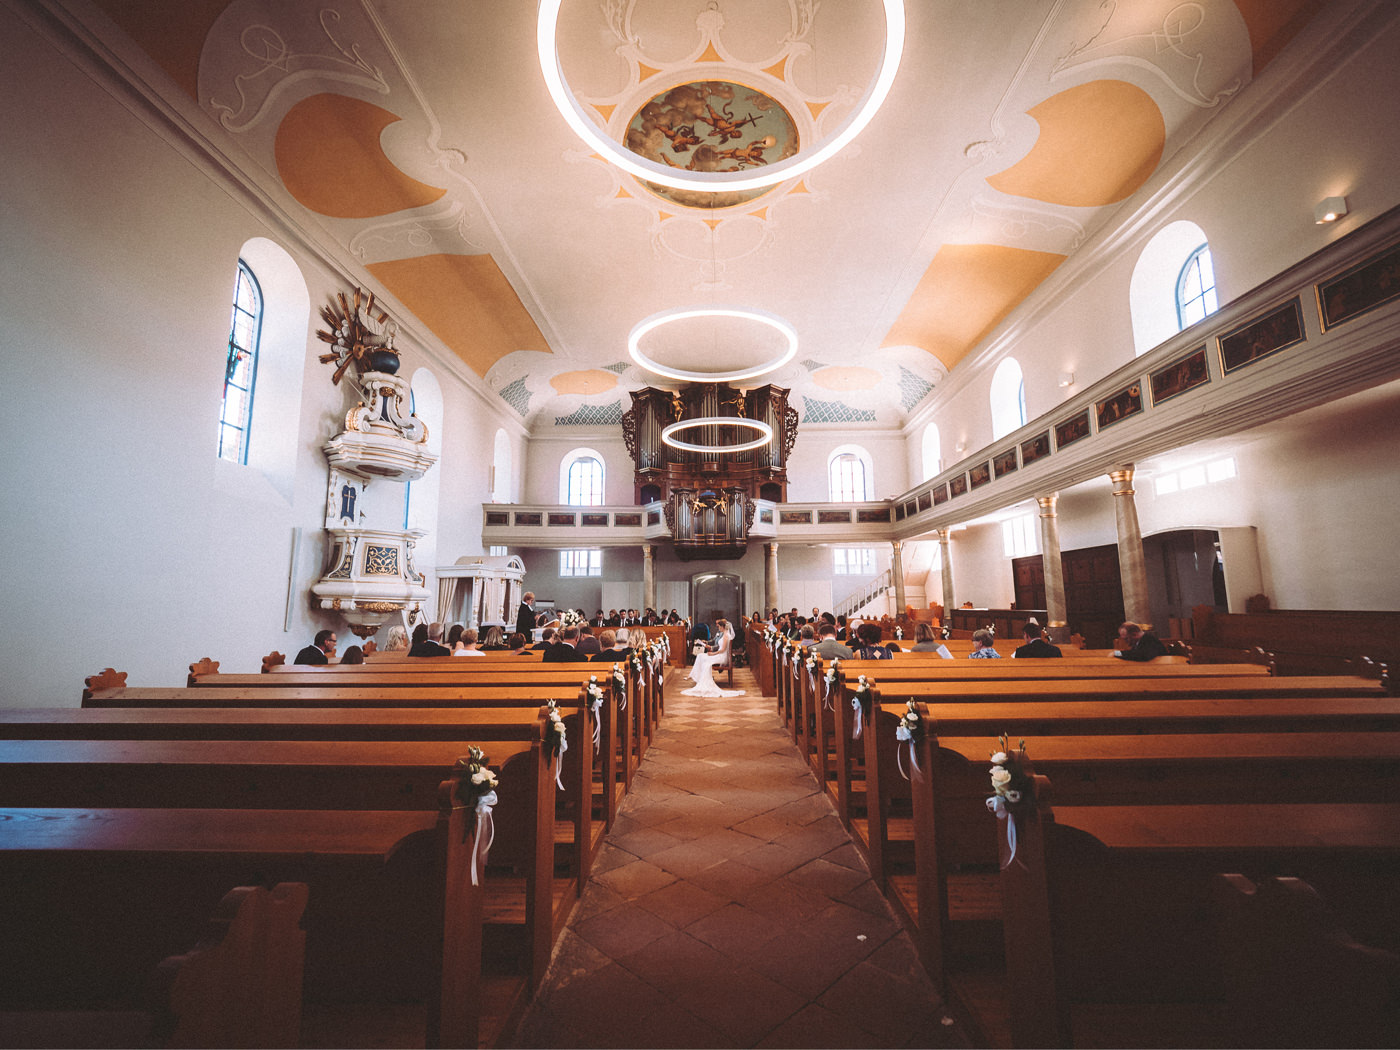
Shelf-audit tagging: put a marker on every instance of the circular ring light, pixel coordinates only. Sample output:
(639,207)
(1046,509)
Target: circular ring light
(679,178)
(656,320)
(765,434)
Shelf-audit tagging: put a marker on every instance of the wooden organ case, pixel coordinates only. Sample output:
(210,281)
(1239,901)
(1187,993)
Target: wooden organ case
(709,492)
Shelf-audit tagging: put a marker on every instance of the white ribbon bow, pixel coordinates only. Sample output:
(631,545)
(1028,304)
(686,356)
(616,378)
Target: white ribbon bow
(485,834)
(559,767)
(905,735)
(597,721)
(997,805)
(855,703)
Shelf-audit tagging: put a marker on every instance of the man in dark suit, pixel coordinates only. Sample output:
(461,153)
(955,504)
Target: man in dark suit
(546,641)
(427,640)
(1136,644)
(564,651)
(319,651)
(1036,647)
(525,617)
(587,644)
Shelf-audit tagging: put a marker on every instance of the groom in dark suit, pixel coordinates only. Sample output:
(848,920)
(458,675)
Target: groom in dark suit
(525,618)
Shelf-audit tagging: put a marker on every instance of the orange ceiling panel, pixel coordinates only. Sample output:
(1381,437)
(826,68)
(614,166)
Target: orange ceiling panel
(468,304)
(846,378)
(1098,143)
(587,381)
(329,158)
(965,292)
(172,32)
(1273,23)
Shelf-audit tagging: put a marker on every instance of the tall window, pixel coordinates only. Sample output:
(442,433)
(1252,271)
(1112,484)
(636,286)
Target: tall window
(581,563)
(1018,536)
(848,473)
(933,451)
(581,479)
(853,561)
(1008,399)
(240,367)
(1195,288)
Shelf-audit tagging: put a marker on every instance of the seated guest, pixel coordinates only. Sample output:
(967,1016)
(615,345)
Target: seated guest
(610,649)
(516,644)
(635,639)
(841,631)
(1136,644)
(467,644)
(807,636)
(353,655)
(397,641)
(925,642)
(673,617)
(1036,647)
(587,643)
(871,647)
(319,651)
(614,620)
(426,641)
(547,638)
(827,647)
(564,650)
(454,637)
(495,640)
(982,641)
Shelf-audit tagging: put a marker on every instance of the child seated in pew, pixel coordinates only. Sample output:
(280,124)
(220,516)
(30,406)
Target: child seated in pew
(982,646)
(353,655)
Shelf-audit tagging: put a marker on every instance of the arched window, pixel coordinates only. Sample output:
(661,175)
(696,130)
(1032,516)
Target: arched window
(500,469)
(849,473)
(1173,284)
(1008,399)
(933,451)
(581,479)
(1195,288)
(240,367)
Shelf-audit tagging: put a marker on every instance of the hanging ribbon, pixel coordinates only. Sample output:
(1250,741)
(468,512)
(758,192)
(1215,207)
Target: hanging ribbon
(826,700)
(998,805)
(860,711)
(907,737)
(597,721)
(559,766)
(485,835)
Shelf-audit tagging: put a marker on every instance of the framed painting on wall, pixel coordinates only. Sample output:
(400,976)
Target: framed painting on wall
(1361,288)
(1276,330)
(1190,372)
(1127,402)
(958,485)
(980,474)
(1036,448)
(925,500)
(1072,429)
(940,495)
(1005,462)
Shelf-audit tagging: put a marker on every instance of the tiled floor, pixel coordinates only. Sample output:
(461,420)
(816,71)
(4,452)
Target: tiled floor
(729,908)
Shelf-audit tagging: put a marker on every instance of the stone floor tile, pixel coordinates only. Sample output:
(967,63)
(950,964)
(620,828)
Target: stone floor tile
(681,903)
(740,1003)
(622,930)
(633,880)
(733,929)
(817,1028)
(903,1009)
(826,877)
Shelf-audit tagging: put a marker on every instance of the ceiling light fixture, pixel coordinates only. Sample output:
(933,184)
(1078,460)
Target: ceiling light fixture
(1330,210)
(715,181)
(765,434)
(656,320)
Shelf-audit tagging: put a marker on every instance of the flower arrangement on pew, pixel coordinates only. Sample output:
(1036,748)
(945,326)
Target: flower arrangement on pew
(572,618)
(557,742)
(1012,790)
(595,701)
(476,790)
(910,731)
(860,703)
(831,679)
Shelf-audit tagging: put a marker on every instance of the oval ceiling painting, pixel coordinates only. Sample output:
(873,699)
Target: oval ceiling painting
(711,125)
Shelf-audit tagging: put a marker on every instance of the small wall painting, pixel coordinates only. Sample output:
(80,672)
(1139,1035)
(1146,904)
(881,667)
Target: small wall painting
(766,515)
(653,517)
(873,517)
(1127,402)
(562,519)
(1072,429)
(627,521)
(1359,289)
(833,517)
(899,511)
(1277,330)
(1005,463)
(958,485)
(497,517)
(529,517)
(925,500)
(980,474)
(1175,379)
(940,495)
(595,520)
(796,517)
(1036,448)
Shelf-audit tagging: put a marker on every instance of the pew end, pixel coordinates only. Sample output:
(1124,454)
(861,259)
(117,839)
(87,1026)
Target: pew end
(271,660)
(205,666)
(108,679)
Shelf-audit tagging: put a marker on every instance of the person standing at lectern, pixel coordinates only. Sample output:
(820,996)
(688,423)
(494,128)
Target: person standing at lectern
(525,617)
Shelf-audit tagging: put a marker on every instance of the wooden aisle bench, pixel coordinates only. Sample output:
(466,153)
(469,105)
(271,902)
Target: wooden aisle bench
(93,895)
(1109,937)
(235,980)
(920,831)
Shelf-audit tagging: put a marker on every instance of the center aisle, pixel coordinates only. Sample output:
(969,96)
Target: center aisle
(729,908)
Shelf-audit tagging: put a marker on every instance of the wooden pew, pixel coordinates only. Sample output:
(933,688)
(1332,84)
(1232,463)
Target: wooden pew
(235,981)
(1108,932)
(391,912)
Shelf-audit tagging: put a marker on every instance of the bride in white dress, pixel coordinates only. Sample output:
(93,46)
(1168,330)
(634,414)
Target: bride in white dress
(702,674)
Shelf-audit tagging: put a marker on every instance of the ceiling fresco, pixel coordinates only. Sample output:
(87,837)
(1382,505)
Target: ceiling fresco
(422,139)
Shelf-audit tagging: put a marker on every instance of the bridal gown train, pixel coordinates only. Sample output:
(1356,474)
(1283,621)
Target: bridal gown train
(702,674)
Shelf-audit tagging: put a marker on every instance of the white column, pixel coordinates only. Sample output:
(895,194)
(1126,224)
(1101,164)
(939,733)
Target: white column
(1056,611)
(1132,564)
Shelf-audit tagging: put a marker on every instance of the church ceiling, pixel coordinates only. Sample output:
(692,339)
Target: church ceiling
(423,139)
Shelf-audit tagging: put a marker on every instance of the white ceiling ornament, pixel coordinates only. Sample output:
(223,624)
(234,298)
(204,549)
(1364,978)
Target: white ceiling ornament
(607,141)
(763,431)
(739,343)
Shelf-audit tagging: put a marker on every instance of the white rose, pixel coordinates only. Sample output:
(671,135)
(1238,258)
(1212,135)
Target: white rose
(999,759)
(1001,776)
(912,716)
(481,776)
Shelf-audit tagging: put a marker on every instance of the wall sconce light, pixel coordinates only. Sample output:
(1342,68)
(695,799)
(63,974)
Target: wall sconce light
(1066,379)
(960,447)
(1330,210)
